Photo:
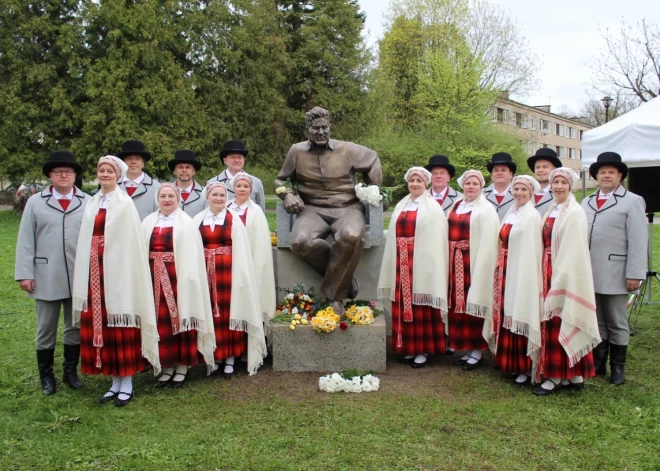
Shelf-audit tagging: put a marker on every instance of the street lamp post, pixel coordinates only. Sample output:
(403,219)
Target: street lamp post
(607,101)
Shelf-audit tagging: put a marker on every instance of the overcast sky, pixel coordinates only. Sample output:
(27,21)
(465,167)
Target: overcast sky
(563,34)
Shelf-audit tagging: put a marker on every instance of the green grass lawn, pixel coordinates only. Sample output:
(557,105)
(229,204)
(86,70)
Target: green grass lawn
(436,418)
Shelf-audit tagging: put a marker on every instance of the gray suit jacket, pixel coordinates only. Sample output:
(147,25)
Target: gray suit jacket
(545,202)
(46,246)
(195,202)
(451,198)
(617,240)
(144,197)
(258,195)
(503,207)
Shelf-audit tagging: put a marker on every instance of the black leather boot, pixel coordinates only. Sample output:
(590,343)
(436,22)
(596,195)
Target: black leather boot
(70,366)
(45,359)
(600,358)
(617,363)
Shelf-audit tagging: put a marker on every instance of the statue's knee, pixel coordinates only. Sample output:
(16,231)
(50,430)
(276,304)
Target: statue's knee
(300,242)
(350,235)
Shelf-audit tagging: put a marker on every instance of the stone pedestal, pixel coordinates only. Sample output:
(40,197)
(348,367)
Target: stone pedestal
(360,346)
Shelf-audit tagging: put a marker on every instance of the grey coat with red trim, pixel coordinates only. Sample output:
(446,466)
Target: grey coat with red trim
(46,246)
(617,240)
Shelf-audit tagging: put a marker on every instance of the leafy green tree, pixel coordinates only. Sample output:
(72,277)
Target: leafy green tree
(42,69)
(137,83)
(329,62)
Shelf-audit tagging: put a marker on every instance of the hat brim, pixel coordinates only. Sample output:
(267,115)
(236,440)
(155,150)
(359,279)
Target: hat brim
(512,166)
(225,153)
(195,163)
(450,168)
(144,154)
(49,166)
(531,162)
(620,166)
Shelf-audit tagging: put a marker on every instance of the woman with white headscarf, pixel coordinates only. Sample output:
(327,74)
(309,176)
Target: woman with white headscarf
(256,224)
(112,297)
(514,329)
(232,284)
(182,305)
(473,228)
(569,328)
(413,274)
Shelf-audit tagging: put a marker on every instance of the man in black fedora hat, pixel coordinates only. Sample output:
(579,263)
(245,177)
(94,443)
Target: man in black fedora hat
(184,166)
(502,168)
(139,186)
(45,253)
(441,174)
(233,155)
(617,245)
(543,162)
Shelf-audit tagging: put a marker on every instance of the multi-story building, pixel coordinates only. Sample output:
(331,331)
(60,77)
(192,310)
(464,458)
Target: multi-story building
(537,127)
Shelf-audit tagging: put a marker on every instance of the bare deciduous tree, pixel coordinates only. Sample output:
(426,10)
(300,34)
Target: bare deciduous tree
(630,60)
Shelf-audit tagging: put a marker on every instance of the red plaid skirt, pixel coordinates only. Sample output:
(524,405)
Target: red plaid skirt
(229,343)
(556,360)
(121,353)
(426,332)
(465,331)
(511,354)
(179,349)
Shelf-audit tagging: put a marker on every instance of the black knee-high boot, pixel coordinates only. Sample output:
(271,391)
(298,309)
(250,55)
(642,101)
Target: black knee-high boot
(45,359)
(70,366)
(618,363)
(600,358)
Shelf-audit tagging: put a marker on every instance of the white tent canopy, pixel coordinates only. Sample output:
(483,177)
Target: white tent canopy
(635,136)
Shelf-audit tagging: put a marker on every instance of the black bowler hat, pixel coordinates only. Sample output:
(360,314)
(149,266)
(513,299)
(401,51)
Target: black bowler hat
(134,148)
(544,153)
(501,158)
(184,157)
(609,159)
(62,158)
(440,161)
(233,147)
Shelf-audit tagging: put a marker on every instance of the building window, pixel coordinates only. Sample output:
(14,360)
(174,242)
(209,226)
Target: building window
(560,152)
(559,129)
(571,133)
(545,125)
(581,132)
(571,153)
(579,153)
(533,123)
(501,115)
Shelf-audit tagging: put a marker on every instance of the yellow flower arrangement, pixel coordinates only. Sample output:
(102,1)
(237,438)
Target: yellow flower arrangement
(325,320)
(360,315)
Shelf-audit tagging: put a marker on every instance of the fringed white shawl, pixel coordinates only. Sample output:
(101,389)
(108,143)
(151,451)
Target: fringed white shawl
(192,300)
(430,258)
(571,295)
(129,298)
(262,257)
(522,303)
(484,230)
(245,309)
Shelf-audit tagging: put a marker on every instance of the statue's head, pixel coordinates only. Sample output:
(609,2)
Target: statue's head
(318,126)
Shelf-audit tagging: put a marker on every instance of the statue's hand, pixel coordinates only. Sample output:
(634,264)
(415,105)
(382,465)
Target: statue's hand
(293,204)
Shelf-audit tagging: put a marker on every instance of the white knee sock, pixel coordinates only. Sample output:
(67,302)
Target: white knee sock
(475,357)
(114,389)
(229,365)
(126,388)
(166,374)
(420,359)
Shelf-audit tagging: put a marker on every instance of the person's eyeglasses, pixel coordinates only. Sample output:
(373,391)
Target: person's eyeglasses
(64,172)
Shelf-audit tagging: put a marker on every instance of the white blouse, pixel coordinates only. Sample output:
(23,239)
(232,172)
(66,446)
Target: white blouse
(212,220)
(465,207)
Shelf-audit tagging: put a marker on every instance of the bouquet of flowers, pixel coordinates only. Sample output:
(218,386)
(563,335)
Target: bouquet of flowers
(287,184)
(325,320)
(297,302)
(360,315)
(369,194)
(355,384)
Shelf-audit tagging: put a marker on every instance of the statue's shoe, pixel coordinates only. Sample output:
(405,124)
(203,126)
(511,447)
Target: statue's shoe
(338,307)
(355,289)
